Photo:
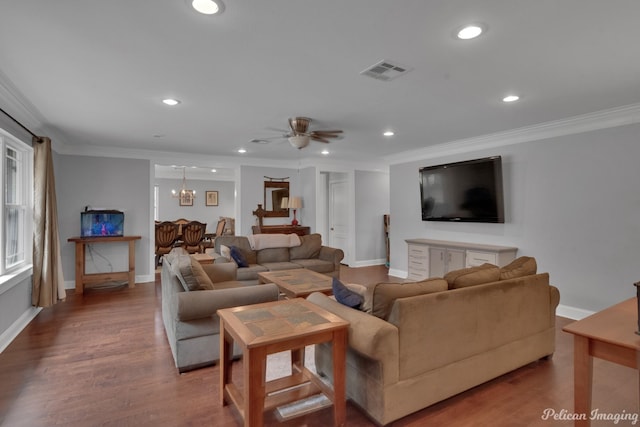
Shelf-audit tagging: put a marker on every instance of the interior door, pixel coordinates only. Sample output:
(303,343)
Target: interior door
(338,217)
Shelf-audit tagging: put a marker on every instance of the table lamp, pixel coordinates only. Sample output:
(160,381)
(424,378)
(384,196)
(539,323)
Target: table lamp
(295,203)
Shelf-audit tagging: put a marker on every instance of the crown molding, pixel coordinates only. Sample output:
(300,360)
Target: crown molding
(603,119)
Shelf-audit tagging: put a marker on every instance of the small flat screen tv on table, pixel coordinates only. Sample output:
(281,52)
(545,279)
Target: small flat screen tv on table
(101,223)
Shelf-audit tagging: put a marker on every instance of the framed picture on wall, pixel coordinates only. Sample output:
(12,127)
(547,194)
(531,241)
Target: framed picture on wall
(211,198)
(186,198)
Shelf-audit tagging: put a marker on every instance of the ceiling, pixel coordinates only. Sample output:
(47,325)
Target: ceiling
(92,73)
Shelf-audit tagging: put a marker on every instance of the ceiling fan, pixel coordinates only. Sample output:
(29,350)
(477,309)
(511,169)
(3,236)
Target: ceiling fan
(299,134)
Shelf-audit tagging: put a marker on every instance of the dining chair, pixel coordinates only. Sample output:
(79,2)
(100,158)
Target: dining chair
(192,236)
(166,236)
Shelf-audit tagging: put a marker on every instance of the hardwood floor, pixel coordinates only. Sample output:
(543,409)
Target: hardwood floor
(102,359)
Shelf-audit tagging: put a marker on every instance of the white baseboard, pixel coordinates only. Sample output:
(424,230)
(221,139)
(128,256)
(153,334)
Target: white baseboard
(12,331)
(369,263)
(573,313)
(398,273)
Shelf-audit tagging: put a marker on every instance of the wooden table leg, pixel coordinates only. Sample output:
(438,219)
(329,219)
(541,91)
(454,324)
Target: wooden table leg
(255,368)
(226,346)
(132,264)
(339,371)
(79,267)
(582,380)
(297,360)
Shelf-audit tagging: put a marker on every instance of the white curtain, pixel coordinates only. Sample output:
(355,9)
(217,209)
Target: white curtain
(48,281)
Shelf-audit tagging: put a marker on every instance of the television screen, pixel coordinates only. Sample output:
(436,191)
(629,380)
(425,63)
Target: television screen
(101,223)
(469,191)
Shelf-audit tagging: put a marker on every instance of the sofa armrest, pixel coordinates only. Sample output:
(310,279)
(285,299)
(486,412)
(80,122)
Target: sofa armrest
(200,304)
(334,255)
(223,272)
(368,335)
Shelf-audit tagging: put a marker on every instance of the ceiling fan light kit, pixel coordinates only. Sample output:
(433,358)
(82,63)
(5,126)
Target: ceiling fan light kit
(300,135)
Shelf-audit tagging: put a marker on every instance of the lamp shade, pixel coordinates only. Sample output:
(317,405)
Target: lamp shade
(295,202)
(285,203)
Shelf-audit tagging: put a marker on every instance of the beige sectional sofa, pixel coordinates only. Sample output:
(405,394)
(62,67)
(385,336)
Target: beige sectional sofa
(191,295)
(416,344)
(309,254)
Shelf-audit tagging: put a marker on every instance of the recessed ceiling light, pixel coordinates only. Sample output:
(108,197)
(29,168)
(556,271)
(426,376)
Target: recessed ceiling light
(470,31)
(171,101)
(213,170)
(207,7)
(325,152)
(242,151)
(389,133)
(511,98)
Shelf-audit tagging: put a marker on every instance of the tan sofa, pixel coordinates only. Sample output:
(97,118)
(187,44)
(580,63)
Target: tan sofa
(191,295)
(450,336)
(309,254)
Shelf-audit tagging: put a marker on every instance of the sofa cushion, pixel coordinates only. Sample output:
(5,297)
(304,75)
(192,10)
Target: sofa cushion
(520,267)
(275,266)
(346,296)
(314,264)
(379,298)
(265,256)
(238,256)
(191,274)
(250,272)
(309,247)
(472,276)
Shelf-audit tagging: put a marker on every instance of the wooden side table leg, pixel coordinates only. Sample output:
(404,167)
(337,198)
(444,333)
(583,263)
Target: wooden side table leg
(226,346)
(132,264)
(79,267)
(582,379)
(297,360)
(255,368)
(339,372)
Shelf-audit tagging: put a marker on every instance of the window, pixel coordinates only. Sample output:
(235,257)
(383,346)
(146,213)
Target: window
(16,172)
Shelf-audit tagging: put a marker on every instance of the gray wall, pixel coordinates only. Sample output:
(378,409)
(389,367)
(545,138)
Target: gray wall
(371,203)
(572,202)
(169,207)
(110,183)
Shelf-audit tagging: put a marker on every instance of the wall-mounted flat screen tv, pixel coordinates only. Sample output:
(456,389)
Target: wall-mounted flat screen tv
(469,191)
(98,223)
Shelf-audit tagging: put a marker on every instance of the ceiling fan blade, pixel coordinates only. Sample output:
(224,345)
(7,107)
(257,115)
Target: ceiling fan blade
(282,131)
(326,131)
(319,139)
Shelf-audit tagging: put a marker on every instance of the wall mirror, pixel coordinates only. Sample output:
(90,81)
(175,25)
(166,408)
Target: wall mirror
(274,192)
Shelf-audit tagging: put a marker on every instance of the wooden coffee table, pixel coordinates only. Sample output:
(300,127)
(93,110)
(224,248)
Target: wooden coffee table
(298,283)
(272,327)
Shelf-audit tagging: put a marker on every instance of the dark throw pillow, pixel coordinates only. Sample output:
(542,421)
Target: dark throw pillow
(238,257)
(346,296)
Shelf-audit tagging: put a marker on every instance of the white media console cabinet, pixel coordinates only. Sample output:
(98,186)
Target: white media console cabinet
(435,258)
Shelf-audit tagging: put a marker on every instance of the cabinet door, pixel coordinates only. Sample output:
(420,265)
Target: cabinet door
(455,259)
(437,262)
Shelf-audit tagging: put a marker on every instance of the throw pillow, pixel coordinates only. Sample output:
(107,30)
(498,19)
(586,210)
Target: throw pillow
(471,276)
(380,297)
(238,257)
(520,267)
(344,295)
(191,274)
(225,251)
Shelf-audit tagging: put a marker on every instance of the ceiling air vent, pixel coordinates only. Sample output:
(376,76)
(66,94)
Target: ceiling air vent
(385,70)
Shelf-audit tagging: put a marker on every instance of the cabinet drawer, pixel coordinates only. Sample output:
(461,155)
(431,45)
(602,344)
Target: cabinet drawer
(416,276)
(418,262)
(475,258)
(418,251)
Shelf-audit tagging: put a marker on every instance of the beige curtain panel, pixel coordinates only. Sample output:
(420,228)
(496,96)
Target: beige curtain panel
(48,281)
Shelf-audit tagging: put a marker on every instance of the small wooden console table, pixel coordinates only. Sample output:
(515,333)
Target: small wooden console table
(609,335)
(83,278)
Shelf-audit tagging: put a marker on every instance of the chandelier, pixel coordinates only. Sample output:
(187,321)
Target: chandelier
(184,191)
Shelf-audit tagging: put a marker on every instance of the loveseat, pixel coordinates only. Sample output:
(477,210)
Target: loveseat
(277,252)
(191,295)
(414,344)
